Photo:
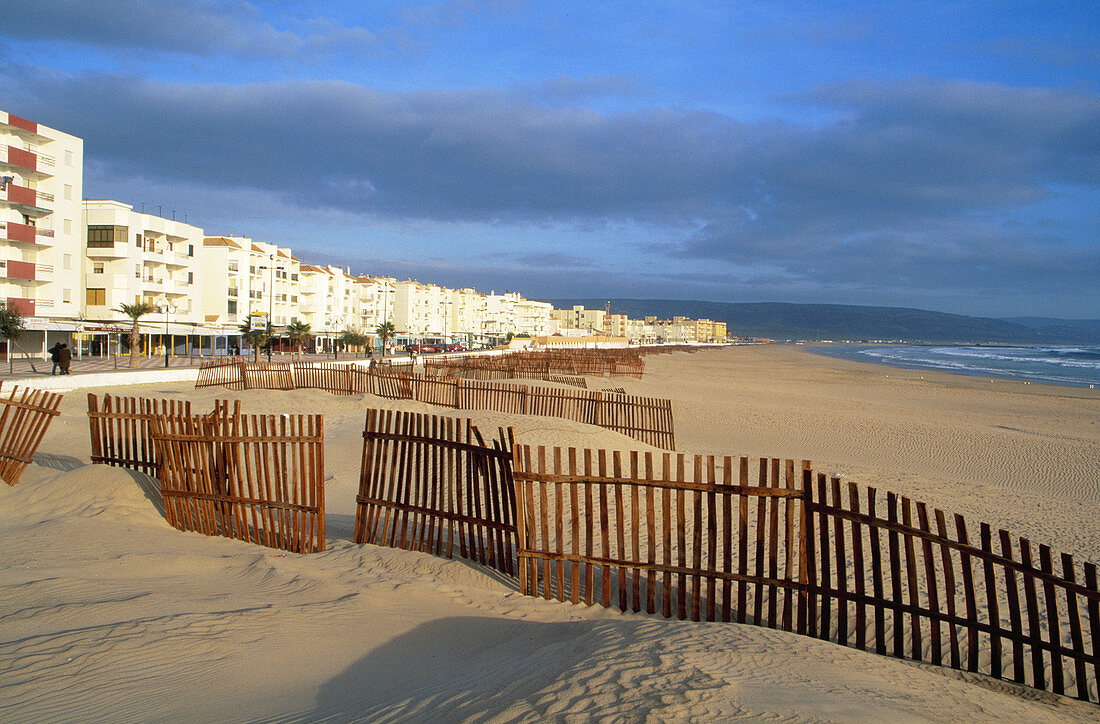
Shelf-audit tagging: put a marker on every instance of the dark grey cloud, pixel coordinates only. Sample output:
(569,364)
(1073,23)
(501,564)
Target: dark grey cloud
(914,184)
(554,260)
(188,27)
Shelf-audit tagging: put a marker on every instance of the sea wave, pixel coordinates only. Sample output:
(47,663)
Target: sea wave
(1069,365)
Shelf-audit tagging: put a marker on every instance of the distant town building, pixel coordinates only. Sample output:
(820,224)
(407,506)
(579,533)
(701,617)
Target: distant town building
(68,265)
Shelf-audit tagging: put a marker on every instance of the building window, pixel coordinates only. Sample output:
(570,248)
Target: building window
(233,266)
(231,307)
(96,297)
(190,250)
(66,261)
(68,158)
(66,295)
(104,237)
(97,268)
(68,226)
(190,277)
(68,192)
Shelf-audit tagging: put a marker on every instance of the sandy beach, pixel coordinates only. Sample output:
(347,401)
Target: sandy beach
(111,615)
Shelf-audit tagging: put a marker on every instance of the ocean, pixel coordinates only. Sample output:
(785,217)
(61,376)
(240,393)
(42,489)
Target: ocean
(1076,366)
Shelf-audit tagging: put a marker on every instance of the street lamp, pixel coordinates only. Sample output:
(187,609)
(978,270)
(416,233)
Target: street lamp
(169,307)
(270,303)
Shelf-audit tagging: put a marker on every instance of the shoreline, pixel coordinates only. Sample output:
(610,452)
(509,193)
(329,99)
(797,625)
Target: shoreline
(834,351)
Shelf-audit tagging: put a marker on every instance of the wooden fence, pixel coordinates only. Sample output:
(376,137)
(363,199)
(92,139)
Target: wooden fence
(904,580)
(433,484)
(542,364)
(25,417)
(221,372)
(699,539)
(694,538)
(256,478)
(121,432)
(646,419)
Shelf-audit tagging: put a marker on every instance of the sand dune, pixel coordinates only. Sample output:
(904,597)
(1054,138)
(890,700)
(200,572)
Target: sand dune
(109,614)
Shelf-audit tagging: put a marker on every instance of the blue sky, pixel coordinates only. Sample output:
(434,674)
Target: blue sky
(936,155)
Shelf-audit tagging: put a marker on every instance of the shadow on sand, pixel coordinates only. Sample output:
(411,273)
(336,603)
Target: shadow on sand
(453,669)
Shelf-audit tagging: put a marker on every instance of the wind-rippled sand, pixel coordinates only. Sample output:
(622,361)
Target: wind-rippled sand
(108,614)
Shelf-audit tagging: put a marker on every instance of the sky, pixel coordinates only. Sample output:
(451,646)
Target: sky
(937,155)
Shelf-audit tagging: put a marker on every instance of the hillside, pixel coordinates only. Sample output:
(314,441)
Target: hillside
(843,322)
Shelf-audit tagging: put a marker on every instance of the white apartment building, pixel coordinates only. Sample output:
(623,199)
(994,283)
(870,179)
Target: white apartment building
(422,310)
(468,310)
(500,315)
(639,332)
(531,317)
(41,240)
(675,332)
(224,263)
(377,299)
(329,301)
(132,257)
(580,318)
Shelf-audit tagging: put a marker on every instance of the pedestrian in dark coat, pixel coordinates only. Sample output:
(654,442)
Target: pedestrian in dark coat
(64,358)
(55,357)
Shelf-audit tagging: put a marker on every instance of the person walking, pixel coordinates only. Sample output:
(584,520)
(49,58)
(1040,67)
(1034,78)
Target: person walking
(64,358)
(55,357)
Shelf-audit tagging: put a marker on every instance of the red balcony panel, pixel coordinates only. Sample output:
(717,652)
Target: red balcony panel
(19,232)
(22,123)
(21,270)
(22,195)
(23,306)
(24,159)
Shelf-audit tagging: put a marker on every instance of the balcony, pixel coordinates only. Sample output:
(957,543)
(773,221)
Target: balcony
(18,270)
(27,163)
(25,307)
(21,127)
(27,201)
(12,231)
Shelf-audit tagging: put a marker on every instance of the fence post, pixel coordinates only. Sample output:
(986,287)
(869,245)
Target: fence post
(805,555)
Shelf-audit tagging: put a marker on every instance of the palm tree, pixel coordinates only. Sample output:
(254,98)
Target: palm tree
(297,332)
(255,337)
(385,330)
(135,311)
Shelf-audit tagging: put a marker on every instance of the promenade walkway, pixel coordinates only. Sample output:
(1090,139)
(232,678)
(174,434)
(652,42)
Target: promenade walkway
(94,371)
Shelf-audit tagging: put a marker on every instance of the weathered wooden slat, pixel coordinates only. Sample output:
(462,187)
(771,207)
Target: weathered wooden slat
(991,601)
